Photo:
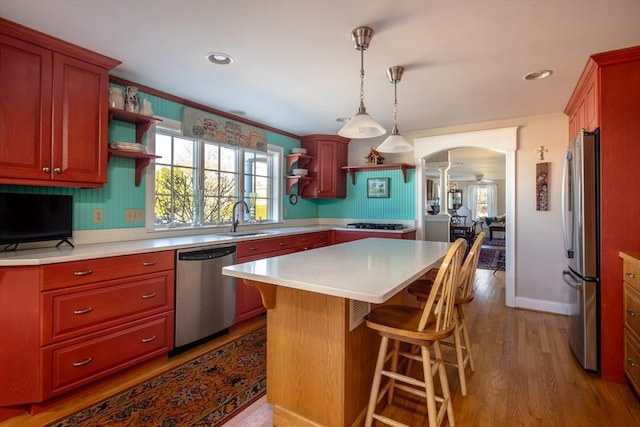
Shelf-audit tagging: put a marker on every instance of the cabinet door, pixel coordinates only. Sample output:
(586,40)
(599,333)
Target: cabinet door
(330,155)
(80,106)
(25,108)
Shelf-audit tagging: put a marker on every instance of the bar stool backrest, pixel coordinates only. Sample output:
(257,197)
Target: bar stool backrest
(441,299)
(468,273)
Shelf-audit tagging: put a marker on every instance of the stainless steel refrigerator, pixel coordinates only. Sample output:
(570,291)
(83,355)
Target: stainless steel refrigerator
(581,229)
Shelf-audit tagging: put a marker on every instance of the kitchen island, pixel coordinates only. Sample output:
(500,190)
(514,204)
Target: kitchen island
(320,354)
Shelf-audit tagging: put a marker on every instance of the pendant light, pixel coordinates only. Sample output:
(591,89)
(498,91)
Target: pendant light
(395,143)
(361,125)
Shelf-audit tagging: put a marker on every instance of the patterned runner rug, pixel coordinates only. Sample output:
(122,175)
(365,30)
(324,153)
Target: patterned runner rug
(206,391)
(492,254)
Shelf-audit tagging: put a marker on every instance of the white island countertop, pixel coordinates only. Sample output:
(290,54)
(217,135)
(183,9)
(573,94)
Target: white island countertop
(370,270)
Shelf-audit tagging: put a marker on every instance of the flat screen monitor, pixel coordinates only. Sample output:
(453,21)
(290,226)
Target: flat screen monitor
(35,217)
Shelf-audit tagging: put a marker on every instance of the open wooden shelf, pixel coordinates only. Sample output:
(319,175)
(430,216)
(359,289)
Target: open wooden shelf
(302,182)
(402,166)
(142,160)
(302,160)
(142,122)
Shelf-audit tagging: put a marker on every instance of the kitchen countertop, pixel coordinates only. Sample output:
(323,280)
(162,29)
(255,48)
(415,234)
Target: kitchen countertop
(370,270)
(65,253)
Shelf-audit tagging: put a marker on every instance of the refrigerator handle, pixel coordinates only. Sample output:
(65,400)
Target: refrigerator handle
(568,281)
(565,204)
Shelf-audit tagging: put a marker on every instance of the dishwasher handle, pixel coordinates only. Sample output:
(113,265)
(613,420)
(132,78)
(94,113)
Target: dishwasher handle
(206,254)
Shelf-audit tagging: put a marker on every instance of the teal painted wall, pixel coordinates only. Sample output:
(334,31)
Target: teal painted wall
(120,192)
(399,206)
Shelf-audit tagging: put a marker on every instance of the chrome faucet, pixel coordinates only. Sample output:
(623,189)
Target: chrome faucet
(236,219)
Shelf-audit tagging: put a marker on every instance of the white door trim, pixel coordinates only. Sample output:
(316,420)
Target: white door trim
(504,140)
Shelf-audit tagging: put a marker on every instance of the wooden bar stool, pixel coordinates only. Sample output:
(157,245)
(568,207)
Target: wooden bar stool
(424,327)
(421,289)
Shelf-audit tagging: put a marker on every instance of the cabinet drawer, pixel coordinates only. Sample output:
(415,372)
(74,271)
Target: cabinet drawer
(321,237)
(630,273)
(304,241)
(632,360)
(264,246)
(631,306)
(87,360)
(83,309)
(55,276)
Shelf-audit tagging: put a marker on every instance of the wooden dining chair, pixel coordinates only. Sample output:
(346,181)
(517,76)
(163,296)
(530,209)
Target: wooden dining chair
(424,327)
(421,289)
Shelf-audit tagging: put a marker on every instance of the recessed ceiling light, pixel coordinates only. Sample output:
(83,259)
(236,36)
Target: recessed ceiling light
(238,112)
(219,58)
(343,119)
(538,75)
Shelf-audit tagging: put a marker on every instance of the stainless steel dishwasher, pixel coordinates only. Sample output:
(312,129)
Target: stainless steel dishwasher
(205,299)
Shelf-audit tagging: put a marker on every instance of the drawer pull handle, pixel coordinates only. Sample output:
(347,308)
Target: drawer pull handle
(283,243)
(149,263)
(46,169)
(147,296)
(57,170)
(83,273)
(146,340)
(631,312)
(630,275)
(631,362)
(84,362)
(253,248)
(83,311)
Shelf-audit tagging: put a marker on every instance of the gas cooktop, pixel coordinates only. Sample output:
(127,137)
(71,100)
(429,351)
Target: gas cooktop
(373,226)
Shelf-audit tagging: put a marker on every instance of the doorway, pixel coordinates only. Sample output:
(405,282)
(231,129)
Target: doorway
(503,140)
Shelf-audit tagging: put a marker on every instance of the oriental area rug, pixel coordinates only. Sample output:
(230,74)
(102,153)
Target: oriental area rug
(206,391)
(492,255)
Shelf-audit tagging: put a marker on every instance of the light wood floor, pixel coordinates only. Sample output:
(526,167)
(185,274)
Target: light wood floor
(525,376)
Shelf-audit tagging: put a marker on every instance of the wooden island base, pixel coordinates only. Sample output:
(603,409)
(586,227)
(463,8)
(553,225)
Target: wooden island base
(318,372)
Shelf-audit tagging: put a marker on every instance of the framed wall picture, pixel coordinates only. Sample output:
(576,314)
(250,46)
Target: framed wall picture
(377,187)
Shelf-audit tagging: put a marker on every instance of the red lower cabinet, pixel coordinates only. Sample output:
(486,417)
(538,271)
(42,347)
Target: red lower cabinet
(66,325)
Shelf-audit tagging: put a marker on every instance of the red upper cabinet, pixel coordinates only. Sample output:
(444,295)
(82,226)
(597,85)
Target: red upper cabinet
(330,153)
(54,110)
(583,107)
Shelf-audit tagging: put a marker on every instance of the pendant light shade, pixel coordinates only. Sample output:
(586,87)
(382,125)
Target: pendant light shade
(395,143)
(361,125)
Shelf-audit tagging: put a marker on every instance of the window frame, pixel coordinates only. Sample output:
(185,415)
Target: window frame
(275,173)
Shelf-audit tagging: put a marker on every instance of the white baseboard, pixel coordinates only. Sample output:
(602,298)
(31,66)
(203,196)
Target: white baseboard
(543,305)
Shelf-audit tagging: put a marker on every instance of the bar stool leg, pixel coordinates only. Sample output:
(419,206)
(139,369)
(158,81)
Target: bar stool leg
(457,340)
(444,382)
(465,335)
(394,368)
(429,388)
(377,378)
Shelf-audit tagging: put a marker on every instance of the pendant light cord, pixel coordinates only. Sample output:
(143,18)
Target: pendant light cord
(361,79)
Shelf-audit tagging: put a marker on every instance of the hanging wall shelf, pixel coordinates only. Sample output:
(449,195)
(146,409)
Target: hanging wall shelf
(302,182)
(391,166)
(143,123)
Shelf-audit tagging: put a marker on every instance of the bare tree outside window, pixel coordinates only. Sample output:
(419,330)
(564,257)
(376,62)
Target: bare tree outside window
(198,182)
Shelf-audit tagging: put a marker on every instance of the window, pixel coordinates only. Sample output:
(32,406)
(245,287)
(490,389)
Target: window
(482,206)
(197,182)
(483,200)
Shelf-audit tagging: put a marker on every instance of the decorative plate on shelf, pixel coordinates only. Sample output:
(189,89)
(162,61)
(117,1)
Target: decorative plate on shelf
(129,146)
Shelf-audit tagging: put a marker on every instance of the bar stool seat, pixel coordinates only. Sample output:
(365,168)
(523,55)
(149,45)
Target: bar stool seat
(424,327)
(421,289)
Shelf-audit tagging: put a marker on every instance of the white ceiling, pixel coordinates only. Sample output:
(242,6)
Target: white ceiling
(296,68)
(468,165)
